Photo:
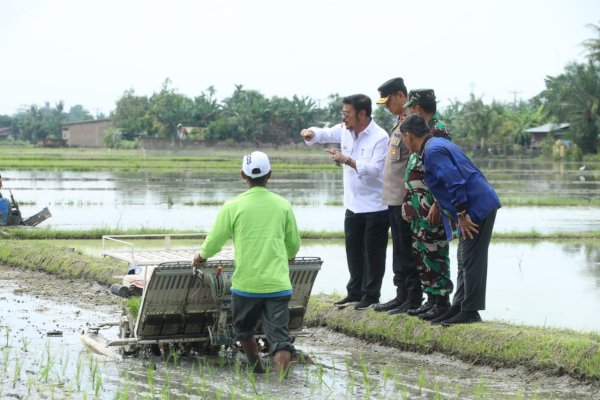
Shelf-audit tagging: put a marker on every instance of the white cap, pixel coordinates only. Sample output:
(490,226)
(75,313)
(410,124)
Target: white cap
(256,164)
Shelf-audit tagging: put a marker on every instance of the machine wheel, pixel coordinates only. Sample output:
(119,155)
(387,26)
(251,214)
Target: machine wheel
(125,333)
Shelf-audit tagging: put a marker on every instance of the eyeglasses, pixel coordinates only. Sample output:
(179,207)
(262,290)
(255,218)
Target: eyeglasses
(346,114)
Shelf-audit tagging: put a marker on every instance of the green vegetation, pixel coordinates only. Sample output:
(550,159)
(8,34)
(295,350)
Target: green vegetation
(247,116)
(16,233)
(493,343)
(62,262)
(87,159)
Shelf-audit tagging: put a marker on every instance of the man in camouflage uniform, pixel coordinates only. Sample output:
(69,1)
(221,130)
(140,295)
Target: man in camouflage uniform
(430,245)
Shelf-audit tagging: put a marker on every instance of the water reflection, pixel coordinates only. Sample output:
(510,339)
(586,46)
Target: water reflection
(543,283)
(178,200)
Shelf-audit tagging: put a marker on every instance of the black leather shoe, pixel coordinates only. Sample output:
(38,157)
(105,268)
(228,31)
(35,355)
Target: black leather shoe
(404,307)
(423,308)
(451,312)
(364,304)
(346,301)
(434,312)
(394,303)
(463,317)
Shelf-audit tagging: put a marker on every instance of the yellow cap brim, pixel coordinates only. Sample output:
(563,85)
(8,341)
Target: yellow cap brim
(383,100)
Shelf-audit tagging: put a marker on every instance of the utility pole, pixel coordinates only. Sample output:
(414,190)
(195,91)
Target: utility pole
(514,92)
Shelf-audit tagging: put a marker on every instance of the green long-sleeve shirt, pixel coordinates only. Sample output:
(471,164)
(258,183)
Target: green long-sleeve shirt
(265,236)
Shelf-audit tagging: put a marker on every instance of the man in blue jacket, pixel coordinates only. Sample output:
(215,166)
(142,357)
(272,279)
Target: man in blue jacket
(466,197)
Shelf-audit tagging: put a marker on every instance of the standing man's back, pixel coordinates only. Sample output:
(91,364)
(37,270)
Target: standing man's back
(265,237)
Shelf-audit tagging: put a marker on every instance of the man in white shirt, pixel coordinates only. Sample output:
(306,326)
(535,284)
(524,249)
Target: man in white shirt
(364,147)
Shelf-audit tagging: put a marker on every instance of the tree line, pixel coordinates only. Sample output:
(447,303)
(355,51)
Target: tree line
(249,116)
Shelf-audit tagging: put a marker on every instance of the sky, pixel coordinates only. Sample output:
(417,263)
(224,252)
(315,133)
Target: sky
(90,52)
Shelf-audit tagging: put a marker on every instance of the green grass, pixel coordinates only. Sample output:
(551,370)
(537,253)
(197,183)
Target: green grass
(555,351)
(87,159)
(18,233)
(549,201)
(59,261)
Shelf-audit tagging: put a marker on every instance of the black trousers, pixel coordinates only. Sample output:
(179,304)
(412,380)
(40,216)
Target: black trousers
(404,265)
(366,245)
(472,258)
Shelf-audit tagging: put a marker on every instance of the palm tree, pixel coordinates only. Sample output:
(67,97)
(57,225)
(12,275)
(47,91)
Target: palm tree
(593,44)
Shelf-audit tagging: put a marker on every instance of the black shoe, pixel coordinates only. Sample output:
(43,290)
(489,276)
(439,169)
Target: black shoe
(346,301)
(404,307)
(364,304)
(394,303)
(434,312)
(422,309)
(451,312)
(463,317)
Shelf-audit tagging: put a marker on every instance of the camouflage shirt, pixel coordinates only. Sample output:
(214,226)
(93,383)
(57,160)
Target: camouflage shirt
(418,199)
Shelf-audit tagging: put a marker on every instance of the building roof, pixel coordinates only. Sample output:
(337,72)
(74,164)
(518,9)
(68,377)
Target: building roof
(89,121)
(547,128)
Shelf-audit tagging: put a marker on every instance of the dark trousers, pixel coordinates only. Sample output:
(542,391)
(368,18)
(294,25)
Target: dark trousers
(366,245)
(404,265)
(472,258)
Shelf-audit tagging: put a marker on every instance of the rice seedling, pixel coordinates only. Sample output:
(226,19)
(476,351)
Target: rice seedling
(150,368)
(5,356)
(480,392)
(17,371)
(25,344)
(50,359)
(421,381)
(7,335)
(365,375)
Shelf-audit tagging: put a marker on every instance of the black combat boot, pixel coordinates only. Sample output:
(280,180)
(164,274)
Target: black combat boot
(442,304)
(413,301)
(423,308)
(393,303)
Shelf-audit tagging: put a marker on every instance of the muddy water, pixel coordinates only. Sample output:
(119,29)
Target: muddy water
(35,365)
(171,200)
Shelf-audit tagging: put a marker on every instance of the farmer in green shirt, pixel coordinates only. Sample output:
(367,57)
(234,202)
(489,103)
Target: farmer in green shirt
(265,237)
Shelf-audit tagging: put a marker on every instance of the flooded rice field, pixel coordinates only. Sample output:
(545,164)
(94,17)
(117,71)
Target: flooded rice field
(42,357)
(191,199)
(542,283)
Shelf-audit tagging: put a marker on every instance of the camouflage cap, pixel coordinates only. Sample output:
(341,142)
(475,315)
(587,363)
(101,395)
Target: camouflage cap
(418,96)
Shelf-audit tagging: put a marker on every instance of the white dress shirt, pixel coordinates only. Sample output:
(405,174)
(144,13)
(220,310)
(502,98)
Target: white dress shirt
(363,186)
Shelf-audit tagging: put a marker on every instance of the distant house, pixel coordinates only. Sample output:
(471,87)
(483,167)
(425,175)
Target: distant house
(541,133)
(5,132)
(85,133)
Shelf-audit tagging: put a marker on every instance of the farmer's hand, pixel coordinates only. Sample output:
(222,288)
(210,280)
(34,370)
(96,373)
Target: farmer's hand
(197,259)
(307,134)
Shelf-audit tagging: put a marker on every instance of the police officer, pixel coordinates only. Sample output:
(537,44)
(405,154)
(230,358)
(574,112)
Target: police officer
(393,95)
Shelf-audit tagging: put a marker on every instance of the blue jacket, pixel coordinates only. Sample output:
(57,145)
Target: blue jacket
(456,182)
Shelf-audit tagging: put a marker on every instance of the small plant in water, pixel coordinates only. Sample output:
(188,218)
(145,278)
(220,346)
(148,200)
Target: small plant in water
(150,373)
(17,370)
(421,381)
(7,335)
(25,344)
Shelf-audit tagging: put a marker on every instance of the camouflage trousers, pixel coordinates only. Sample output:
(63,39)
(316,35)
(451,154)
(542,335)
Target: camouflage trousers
(431,251)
